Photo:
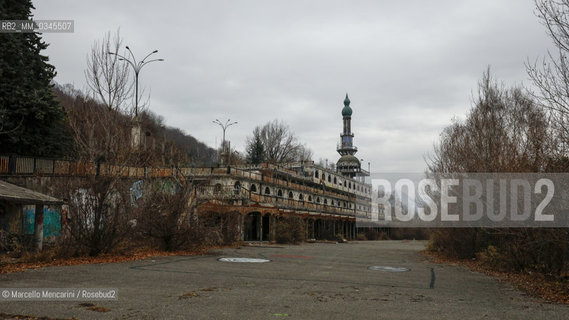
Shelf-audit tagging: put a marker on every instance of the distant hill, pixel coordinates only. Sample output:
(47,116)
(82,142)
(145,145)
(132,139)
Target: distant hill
(197,152)
(163,145)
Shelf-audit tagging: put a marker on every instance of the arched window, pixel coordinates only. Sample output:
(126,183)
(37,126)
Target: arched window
(237,188)
(267,190)
(300,197)
(345,184)
(329,178)
(290,195)
(309,198)
(316,174)
(335,181)
(280,193)
(325,201)
(318,199)
(349,185)
(217,189)
(323,176)
(253,188)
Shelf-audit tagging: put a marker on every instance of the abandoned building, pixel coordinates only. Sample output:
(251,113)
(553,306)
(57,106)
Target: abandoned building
(18,208)
(328,201)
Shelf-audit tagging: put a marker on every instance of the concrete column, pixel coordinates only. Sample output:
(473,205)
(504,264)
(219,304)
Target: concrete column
(333,226)
(272,228)
(260,227)
(354,229)
(312,234)
(135,135)
(38,227)
(241,227)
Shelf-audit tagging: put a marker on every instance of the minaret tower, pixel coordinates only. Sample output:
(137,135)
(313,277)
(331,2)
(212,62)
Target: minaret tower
(348,164)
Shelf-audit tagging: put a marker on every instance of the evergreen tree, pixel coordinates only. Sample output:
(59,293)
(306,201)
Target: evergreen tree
(33,122)
(255,149)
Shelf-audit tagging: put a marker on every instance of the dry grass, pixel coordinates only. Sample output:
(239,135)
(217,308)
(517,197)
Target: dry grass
(98,309)
(42,260)
(191,294)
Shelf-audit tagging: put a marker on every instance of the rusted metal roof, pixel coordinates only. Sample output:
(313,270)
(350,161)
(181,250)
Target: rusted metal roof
(17,194)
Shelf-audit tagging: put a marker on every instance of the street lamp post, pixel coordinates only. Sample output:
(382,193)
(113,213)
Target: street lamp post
(137,66)
(224,127)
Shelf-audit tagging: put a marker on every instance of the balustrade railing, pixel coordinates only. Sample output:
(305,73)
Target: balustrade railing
(17,165)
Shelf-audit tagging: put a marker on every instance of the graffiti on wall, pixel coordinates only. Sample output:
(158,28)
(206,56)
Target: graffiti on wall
(166,186)
(136,191)
(51,220)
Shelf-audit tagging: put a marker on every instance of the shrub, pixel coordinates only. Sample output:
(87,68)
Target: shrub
(361,236)
(99,211)
(290,230)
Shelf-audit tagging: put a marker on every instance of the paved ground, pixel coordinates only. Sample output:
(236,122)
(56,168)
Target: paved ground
(311,281)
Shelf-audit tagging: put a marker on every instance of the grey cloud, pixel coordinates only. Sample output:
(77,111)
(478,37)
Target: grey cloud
(409,66)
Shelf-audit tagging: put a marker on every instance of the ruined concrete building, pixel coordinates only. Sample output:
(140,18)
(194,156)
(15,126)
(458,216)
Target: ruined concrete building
(328,201)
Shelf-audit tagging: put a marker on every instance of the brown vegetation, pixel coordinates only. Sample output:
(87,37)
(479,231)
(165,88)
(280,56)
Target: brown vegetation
(290,230)
(548,288)
(506,131)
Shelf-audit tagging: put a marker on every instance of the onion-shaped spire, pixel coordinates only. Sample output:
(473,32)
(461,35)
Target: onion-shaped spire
(347,111)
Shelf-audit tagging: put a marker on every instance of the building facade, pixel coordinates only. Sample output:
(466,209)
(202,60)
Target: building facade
(327,201)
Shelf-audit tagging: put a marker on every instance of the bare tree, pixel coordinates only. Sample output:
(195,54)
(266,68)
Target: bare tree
(279,142)
(505,132)
(99,132)
(551,74)
(99,211)
(107,76)
(103,135)
(304,153)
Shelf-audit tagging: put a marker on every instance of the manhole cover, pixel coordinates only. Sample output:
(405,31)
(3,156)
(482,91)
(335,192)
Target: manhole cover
(247,260)
(388,269)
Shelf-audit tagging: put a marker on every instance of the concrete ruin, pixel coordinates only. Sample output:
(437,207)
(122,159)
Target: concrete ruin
(328,201)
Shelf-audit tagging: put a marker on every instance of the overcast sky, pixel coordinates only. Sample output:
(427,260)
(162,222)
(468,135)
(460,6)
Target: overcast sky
(409,67)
